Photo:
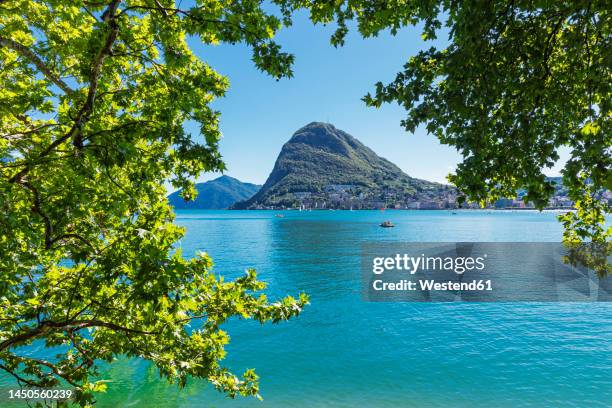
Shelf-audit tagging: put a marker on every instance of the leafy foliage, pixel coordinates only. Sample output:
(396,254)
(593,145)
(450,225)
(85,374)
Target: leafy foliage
(518,81)
(93,98)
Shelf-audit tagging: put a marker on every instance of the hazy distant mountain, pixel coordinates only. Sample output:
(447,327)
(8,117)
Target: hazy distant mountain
(560,189)
(216,194)
(324,166)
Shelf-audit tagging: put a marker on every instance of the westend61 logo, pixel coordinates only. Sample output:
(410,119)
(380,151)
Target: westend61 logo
(476,272)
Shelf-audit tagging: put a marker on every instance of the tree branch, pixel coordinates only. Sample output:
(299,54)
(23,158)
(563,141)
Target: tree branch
(87,108)
(76,345)
(76,236)
(19,135)
(36,60)
(550,45)
(37,209)
(94,76)
(49,325)
(55,371)
(20,379)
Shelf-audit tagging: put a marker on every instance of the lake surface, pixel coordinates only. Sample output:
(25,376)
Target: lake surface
(343,352)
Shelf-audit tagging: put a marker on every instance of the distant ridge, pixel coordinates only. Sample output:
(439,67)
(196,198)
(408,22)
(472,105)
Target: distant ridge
(217,194)
(324,167)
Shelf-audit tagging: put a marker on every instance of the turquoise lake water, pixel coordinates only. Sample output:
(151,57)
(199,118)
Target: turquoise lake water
(343,352)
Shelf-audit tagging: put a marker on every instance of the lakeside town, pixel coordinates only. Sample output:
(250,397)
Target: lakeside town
(347,197)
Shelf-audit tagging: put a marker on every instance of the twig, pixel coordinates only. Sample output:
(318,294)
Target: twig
(36,60)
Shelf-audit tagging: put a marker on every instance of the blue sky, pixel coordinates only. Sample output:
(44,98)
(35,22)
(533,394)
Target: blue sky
(259,114)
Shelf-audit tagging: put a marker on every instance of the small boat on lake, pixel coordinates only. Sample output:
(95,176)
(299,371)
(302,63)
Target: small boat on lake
(279,215)
(387,224)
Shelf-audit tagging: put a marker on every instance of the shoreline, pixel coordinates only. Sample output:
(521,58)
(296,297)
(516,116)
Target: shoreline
(406,209)
(548,209)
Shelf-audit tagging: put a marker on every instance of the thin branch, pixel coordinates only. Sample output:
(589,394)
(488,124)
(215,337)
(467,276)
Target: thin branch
(19,135)
(37,209)
(94,77)
(164,11)
(117,128)
(161,8)
(49,325)
(81,351)
(550,45)
(29,164)
(76,236)
(36,60)
(55,370)
(20,379)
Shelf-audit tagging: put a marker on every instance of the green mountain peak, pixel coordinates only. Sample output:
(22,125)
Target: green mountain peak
(322,166)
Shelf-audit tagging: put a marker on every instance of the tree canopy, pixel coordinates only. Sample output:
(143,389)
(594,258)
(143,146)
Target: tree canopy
(93,98)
